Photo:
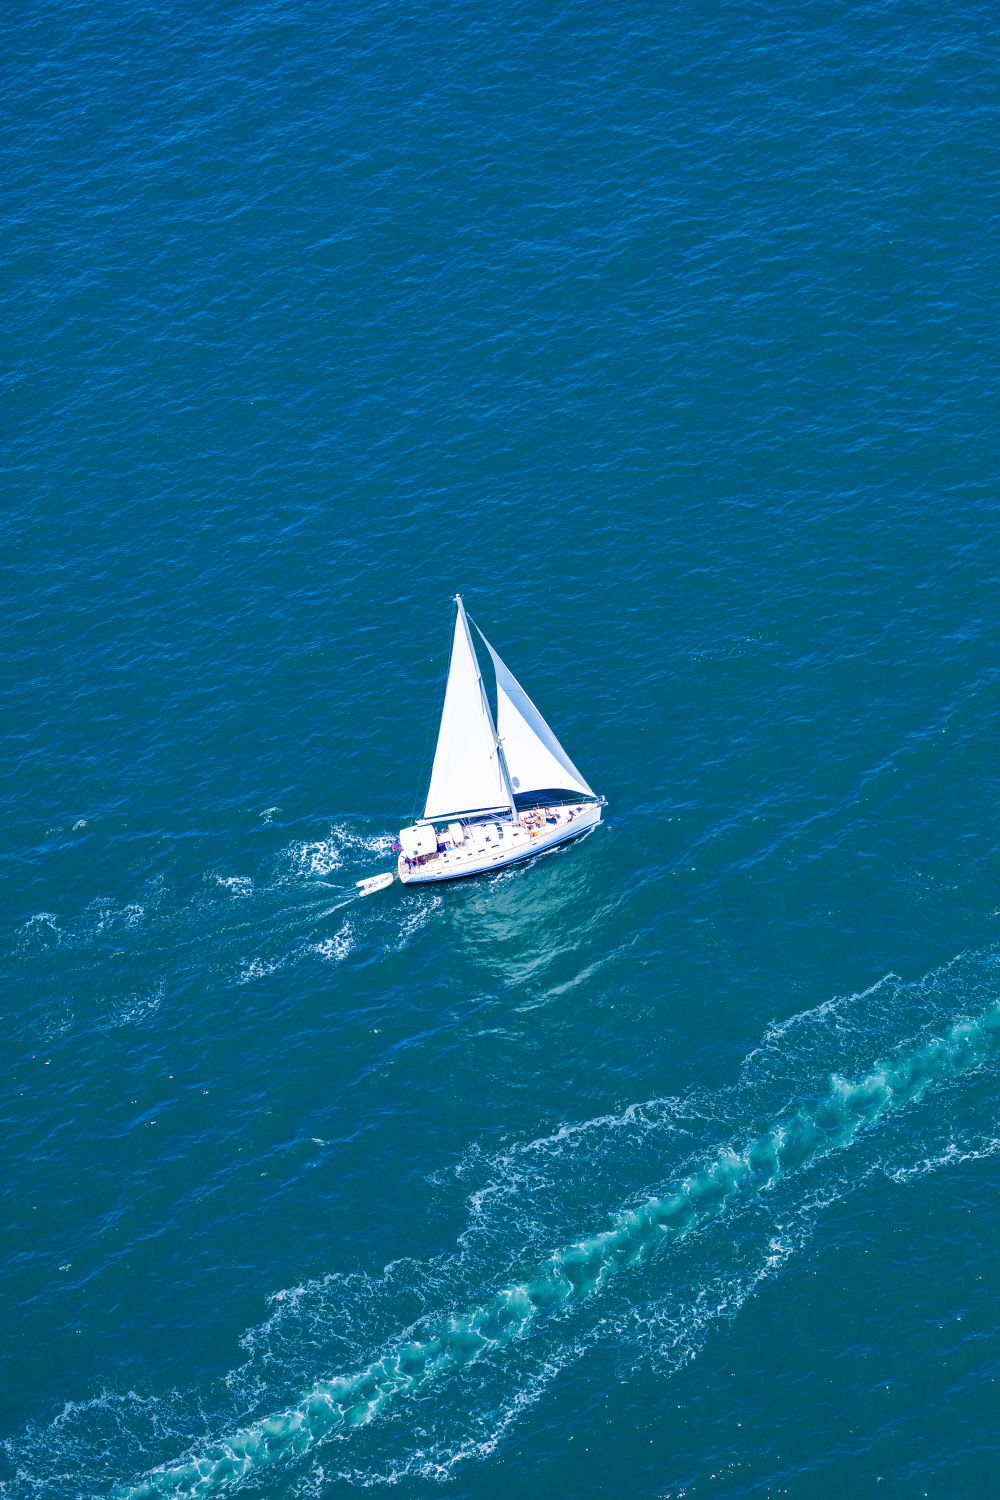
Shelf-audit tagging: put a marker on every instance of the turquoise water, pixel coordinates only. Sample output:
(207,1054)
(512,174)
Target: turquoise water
(664,1165)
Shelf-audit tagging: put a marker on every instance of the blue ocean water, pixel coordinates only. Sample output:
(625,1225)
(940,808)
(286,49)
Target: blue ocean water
(662,1166)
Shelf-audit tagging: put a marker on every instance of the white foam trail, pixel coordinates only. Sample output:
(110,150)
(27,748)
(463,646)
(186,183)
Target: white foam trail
(336,948)
(319,915)
(437,1347)
(321,857)
(260,968)
(39,931)
(136,1007)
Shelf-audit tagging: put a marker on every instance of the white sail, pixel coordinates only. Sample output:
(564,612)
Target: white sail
(468,775)
(535,759)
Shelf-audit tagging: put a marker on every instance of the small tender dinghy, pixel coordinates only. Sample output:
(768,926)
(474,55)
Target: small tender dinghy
(499,792)
(374,883)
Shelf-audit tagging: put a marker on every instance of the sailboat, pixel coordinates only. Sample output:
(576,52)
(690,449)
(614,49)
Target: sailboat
(499,792)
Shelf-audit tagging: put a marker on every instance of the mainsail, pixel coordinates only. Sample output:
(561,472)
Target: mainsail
(468,775)
(536,761)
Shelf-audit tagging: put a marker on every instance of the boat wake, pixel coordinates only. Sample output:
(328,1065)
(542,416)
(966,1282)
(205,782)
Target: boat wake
(114,960)
(714,1194)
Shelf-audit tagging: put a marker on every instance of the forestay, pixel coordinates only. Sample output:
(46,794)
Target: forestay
(468,774)
(535,759)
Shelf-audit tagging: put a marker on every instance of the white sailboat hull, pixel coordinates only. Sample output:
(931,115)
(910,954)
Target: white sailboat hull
(493,843)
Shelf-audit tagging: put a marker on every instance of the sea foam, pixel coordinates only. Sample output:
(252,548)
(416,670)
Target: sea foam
(744,1208)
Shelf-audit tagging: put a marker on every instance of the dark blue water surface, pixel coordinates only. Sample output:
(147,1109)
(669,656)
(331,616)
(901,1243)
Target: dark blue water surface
(665,1165)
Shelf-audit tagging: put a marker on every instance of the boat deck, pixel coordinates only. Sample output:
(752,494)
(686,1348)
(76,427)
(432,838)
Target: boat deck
(494,842)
